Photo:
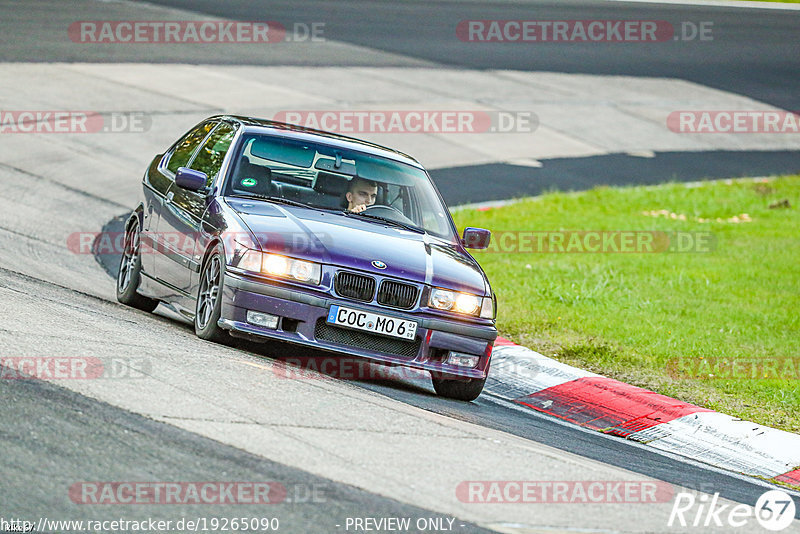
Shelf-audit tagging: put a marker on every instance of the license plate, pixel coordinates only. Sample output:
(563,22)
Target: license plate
(372,322)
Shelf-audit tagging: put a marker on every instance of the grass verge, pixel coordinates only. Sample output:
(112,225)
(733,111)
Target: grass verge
(732,299)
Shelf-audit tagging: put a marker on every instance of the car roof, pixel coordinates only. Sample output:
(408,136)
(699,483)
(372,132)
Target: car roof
(291,131)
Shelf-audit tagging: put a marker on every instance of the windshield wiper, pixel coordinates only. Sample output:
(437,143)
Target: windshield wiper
(410,227)
(280,200)
(286,201)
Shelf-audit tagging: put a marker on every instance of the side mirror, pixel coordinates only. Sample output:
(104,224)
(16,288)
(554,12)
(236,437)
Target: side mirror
(476,238)
(190,179)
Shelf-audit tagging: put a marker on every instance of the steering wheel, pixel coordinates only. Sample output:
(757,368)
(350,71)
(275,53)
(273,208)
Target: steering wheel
(388,212)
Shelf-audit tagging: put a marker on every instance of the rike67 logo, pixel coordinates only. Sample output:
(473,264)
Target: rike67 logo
(774,511)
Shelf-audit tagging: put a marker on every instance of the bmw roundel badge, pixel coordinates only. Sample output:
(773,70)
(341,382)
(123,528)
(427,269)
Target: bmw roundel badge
(378,264)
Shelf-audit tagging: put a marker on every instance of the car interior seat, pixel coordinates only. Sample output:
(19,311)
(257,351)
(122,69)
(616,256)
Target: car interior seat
(330,190)
(251,178)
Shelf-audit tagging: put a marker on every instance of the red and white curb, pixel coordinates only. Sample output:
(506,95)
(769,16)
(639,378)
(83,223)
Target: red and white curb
(592,401)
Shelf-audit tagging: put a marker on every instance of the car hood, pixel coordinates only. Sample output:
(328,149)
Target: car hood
(355,243)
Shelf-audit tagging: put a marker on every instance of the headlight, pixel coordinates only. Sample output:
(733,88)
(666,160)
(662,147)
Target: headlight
(282,266)
(462,303)
(468,304)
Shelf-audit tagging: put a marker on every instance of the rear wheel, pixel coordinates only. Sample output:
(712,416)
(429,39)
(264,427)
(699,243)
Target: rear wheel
(129,273)
(209,299)
(463,389)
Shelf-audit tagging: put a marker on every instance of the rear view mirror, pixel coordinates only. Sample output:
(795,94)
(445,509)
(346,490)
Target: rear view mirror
(328,164)
(476,238)
(190,179)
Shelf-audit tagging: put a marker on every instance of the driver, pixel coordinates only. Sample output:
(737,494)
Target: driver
(361,194)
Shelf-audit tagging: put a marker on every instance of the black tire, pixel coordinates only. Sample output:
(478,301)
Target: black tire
(463,389)
(209,299)
(129,272)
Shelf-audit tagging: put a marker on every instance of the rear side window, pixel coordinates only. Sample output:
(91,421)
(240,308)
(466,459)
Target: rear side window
(209,159)
(186,146)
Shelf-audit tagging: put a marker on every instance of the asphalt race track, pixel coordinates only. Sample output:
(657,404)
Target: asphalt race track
(180,409)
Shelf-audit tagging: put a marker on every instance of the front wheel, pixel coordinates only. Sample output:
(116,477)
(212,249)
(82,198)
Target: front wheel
(464,389)
(209,299)
(129,273)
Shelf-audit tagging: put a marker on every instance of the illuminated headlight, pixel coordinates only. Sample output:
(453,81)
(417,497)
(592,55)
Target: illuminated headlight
(466,303)
(463,303)
(284,267)
(276,265)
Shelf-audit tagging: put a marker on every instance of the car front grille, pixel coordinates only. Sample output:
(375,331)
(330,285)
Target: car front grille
(354,286)
(397,295)
(364,340)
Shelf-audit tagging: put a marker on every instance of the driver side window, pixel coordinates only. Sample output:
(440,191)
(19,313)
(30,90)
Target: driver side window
(185,148)
(209,158)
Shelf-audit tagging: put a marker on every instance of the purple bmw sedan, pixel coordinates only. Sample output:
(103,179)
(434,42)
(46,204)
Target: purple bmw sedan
(271,232)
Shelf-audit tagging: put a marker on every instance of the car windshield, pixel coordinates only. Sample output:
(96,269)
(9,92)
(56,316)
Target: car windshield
(328,177)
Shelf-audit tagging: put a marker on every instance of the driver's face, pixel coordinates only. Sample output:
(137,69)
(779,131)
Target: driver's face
(362,195)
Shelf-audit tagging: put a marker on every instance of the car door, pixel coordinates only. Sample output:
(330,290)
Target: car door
(183,211)
(162,179)
(155,186)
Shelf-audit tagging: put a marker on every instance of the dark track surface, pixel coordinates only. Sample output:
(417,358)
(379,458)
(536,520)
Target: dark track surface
(753,52)
(463,185)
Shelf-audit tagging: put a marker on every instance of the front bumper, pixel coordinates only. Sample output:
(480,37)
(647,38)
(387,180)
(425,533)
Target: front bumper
(303,322)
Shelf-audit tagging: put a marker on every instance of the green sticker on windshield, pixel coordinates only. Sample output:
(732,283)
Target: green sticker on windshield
(249,182)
